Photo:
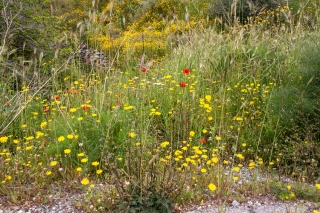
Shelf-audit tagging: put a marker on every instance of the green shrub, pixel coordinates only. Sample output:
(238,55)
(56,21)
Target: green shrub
(29,28)
(295,108)
(149,201)
(243,9)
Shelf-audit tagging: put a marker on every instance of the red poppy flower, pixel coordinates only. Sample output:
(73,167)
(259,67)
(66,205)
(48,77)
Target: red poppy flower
(56,97)
(85,107)
(118,103)
(46,110)
(67,90)
(182,84)
(143,69)
(203,140)
(75,91)
(186,71)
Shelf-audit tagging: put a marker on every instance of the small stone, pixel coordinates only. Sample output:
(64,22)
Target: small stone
(235,203)
(258,203)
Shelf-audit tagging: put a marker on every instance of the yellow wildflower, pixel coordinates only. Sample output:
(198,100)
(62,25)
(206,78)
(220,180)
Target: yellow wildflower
(3,139)
(61,138)
(53,163)
(95,163)
(212,187)
(67,151)
(164,144)
(85,181)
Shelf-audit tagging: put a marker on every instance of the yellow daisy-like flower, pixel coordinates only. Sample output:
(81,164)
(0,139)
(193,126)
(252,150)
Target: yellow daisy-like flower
(29,138)
(72,110)
(85,181)
(43,124)
(61,138)
(29,148)
(79,169)
(218,138)
(192,133)
(318,185)
(251,165)
(48,173)
(236,169)
(240,156)
(132,135)
(39,134)
(99,171)
(53,163)
(95,163)
(81,154)
(212,187)
(203,170)
(164,144)
(84,160)
(184,148)
(208,98)
(215,160)
(70,136)
(177,153)
(67,151)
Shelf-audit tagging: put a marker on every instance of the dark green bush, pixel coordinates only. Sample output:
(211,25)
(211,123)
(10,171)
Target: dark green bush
(149,201)
(28,28)
(296,110)
(228,10)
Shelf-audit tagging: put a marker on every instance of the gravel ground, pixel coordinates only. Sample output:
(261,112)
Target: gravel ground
(259,205)
(58,205)
(264,204)
(68,201)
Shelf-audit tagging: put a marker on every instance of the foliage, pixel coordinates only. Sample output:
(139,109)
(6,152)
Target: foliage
(241,10)
(296,106)
(149,201)
(28,28)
